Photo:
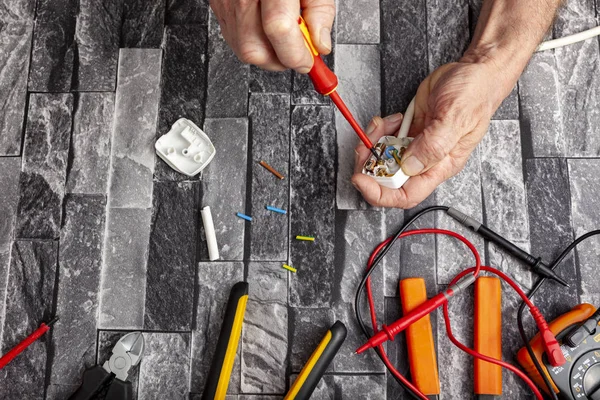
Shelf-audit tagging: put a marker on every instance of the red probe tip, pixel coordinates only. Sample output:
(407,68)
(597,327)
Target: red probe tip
(363,348)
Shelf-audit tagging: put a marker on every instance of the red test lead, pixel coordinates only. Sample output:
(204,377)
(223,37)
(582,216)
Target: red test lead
(18,349)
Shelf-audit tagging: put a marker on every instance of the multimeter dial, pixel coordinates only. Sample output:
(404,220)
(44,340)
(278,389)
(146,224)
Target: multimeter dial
(585,376)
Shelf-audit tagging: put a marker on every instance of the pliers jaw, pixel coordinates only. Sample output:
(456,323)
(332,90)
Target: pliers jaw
(126,354)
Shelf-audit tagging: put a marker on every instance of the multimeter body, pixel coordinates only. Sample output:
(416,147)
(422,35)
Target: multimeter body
(579,377)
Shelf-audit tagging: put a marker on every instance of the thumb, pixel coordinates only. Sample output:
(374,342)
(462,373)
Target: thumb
(319,15)
(429,147)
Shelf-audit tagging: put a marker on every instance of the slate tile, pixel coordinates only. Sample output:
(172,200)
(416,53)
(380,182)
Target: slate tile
(183,83)
(270,132)
(509,108)
(265,339)
(227,92)
(14,65)
(547,183)
(215,280)
(360,232)
(499,258)
(230,138)
(123,290)
(165,367)
(97,35)
(393,220)
(55,50)
(358,72)
(463,192)
(143,23)
(325,389)
(60,392)
(10,168)
(541,116)
(106,341)
(403,53)
(308,326)
(17,10)
(447,31)
(136,110)
(29,296)
(258,397)
(4,269)
(312,197)
(90,143)
(262,81)
(396,351)
(358,22)
(370,387)
(171,256)
(79,258)
(182,12)
(584,178)
(45,154)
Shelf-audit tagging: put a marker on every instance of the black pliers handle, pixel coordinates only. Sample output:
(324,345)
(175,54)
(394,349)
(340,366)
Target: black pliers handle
(96,379)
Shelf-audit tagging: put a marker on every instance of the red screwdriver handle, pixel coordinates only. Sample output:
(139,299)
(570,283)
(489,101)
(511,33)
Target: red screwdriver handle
(18,349)
(321,76)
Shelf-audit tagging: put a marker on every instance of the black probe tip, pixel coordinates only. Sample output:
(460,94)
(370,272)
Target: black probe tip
(52,321)
(548,273)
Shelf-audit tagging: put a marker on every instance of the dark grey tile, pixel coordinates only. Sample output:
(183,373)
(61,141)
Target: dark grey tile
(358,21)
(97,36)
(183,12)
(143,23)
(106,341)
(10,168)
(14,62)
(509,109)
(4,269)
(403,53)
(79,257)
(358,71)
(308,326)
(227,92)
(541,117)
(312,186)
(45,155)
(215,280)
(54,52)
(122,295)
(165,367)
(29,302)
(183,84)
(325,389)
(261,81)
(447,31)
(17,10)
(370,387)
(171,256)
(60,392)
(547,183)
(134,129)
(270,132)
(90,143)
(584,178)
(265,339)
(230,138)
(393,220)
(360,231)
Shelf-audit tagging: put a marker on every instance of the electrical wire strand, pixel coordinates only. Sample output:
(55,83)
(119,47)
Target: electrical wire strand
(567,40)
(531,293)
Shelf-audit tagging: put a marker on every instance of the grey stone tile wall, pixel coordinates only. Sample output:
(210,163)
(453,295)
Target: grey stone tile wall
(142,23)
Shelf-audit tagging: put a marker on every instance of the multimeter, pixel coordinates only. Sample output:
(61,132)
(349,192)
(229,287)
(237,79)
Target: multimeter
(579,377)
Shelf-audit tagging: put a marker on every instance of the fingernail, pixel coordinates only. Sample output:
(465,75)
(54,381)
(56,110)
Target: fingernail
(412,166)
(303,70)
(372,125)
(326,38)
(394,117)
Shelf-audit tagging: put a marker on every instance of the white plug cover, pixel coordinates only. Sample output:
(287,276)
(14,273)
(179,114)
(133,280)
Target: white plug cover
(399,178)
(186,148)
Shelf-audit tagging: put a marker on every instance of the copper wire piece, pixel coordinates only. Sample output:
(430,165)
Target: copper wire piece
(271,170)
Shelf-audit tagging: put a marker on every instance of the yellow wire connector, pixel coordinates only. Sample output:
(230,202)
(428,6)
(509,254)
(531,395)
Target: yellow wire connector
(308,238)
(292,269)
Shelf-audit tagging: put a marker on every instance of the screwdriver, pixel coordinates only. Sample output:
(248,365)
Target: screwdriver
(326,83)
(18,349)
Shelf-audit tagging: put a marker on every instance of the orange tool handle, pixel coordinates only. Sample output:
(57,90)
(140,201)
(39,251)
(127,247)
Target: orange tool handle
(419,339)
(578,314)
(488,335)
(322,77)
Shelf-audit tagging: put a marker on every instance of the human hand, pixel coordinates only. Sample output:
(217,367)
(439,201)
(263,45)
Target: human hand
(453,108)
(265,32)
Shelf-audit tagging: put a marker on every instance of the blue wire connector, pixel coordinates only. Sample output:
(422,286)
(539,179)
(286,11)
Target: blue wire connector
(244,216)
(277,210)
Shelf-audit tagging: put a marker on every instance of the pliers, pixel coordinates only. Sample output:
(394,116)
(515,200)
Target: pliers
(110,380)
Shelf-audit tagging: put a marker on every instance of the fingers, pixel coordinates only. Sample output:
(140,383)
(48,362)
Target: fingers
(377,128)
(319,15)
(280,24)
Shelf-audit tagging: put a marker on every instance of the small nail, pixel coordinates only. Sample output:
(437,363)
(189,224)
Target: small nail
(394,117)
(326,38)
(372,125)
(412,166)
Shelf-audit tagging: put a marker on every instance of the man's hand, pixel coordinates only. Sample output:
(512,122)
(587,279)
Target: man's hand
(453,108)
(266,33)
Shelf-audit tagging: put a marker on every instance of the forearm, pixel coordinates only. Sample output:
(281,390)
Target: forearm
(507,34)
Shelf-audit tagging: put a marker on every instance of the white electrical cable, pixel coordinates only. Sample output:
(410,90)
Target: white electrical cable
(548,45)
(209,232)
